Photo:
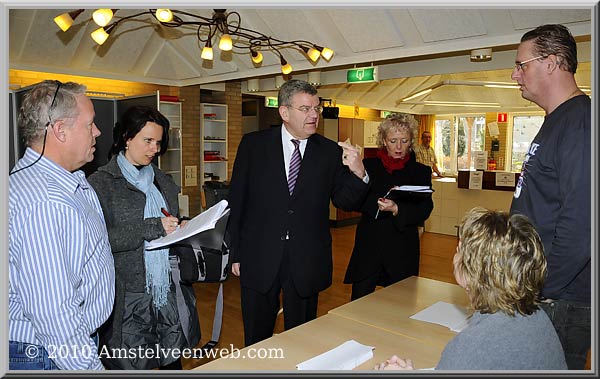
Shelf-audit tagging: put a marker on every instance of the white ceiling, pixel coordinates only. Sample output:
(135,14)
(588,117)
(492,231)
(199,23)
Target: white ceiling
(414,48)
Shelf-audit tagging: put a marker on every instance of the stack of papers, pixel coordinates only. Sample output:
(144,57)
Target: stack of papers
(204,221)
(449,315)
(397,193)
(347,356)
(426,189)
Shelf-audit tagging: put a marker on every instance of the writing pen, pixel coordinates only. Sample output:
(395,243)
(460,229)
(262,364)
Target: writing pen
(167,214)
(179,219)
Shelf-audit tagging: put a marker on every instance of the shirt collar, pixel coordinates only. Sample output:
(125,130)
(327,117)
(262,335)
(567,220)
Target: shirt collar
(286,137)
(69,180)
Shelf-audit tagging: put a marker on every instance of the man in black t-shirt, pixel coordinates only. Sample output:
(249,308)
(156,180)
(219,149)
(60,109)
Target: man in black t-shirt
(554,187)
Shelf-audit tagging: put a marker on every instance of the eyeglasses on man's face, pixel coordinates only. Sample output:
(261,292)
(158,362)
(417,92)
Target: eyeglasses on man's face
(521,65)
(305,109)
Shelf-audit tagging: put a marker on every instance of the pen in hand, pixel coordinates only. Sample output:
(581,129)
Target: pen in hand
(179,219)
(167,214)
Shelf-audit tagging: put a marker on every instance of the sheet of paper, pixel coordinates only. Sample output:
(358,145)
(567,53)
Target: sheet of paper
(505,179)
(406,188)
(359,148)
(449,315)
(480,160)
(346,356)
(476,180)
(493,129)
(412,188)
(204,221)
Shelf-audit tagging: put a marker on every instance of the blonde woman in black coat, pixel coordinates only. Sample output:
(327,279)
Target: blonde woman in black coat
(386,248)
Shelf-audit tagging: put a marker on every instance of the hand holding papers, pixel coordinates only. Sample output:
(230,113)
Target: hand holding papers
(407,192)
(449,315)
(351,157)
(347,356)
(204,221)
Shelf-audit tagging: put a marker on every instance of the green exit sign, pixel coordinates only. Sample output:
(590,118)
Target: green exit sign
(271,102)
(362,75)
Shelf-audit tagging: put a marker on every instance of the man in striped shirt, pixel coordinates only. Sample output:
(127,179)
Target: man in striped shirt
(61,271)
(425,153)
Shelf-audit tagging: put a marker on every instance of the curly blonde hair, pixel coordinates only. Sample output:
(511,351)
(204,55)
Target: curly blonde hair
(396,122)
(502,261)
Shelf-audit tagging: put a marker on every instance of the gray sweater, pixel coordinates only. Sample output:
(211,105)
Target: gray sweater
(498,341)
(123,207)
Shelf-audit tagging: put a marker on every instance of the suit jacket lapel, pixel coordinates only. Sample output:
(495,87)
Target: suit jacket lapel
(275,160)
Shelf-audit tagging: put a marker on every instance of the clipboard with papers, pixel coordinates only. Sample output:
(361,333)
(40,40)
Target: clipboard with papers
(407,192)
(205,221)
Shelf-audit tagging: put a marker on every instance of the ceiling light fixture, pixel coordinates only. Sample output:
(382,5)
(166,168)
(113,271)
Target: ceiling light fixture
(470,104)
(226,26)
(314,78)
(103,16)
(481,55)
(420,93)
(458,83)
(253,85)
(508,86)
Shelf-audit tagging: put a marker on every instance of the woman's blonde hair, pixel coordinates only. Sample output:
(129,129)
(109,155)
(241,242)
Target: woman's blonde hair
(502,261)
(394,122)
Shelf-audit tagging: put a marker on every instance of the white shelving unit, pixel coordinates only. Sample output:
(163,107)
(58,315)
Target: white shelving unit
(213,147)
(170,162)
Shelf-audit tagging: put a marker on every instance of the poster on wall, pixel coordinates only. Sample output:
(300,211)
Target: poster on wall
(493,129)
(480,160)
(505,179)
(371,133)
(475,180)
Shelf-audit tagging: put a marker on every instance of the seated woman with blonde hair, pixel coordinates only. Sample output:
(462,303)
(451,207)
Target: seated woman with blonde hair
(501,265)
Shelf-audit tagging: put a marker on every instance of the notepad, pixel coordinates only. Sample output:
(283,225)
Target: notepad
(449,315)
(346,356)
(204,221)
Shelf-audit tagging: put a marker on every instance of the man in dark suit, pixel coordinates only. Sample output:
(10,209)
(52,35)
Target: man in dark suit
(282,181)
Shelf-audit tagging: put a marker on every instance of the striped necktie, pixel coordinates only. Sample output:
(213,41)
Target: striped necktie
(294,166)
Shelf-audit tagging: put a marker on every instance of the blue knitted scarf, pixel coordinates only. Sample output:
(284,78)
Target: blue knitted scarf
(158,269)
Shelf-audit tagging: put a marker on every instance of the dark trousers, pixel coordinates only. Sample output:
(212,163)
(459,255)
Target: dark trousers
(367,285)
(259,310)
(571,319)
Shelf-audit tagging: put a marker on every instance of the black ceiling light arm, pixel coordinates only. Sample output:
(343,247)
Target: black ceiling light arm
(228,25)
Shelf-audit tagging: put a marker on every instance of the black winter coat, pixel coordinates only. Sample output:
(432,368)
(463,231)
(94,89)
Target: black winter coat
(390,242)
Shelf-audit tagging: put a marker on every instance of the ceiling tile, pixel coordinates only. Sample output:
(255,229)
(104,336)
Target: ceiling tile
(446,24)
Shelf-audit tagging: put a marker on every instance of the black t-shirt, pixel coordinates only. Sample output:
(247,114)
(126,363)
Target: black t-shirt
(554,191)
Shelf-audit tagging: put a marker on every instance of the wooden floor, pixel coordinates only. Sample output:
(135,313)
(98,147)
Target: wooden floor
(436,263)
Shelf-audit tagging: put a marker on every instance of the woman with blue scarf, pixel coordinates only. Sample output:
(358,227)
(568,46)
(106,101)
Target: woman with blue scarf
(153,312)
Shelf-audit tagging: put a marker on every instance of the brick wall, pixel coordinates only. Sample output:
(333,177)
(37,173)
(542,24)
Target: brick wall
(499,156)
(190,142)
(233,99)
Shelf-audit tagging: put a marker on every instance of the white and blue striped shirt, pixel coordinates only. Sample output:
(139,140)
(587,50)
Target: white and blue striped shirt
(61,271)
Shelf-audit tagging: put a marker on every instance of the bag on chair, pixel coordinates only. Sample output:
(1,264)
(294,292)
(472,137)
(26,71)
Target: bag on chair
(204,257)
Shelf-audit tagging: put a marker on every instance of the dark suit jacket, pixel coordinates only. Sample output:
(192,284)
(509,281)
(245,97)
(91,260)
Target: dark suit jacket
(263,212)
